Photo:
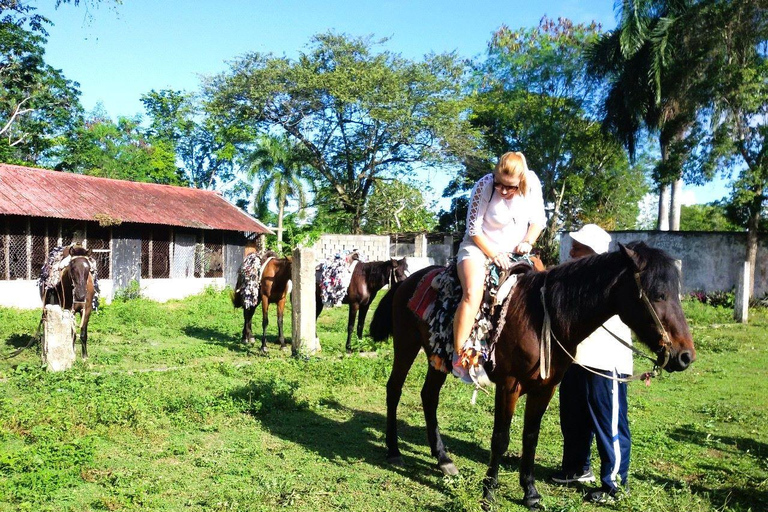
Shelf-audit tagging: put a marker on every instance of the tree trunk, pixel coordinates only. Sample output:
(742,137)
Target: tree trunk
(674,211)
(280,211)
(752,225)
(663,220)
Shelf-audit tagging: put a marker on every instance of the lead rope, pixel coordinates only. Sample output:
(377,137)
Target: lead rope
(35,337)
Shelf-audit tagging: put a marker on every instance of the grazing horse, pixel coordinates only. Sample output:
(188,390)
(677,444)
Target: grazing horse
(74,290)
(637,282)
(366,281)
(274,287)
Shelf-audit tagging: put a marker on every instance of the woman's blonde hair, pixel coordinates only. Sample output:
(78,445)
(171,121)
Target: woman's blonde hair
(513,164)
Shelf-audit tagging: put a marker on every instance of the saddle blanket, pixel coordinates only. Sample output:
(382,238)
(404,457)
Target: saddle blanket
(436,299)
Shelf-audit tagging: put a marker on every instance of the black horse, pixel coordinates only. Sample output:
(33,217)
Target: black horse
(367,279)
(638,283)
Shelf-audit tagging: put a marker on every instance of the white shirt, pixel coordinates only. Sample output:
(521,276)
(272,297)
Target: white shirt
(504,221)
(601,351)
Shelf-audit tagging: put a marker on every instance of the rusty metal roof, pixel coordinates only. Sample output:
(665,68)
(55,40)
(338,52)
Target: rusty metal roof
(64,195)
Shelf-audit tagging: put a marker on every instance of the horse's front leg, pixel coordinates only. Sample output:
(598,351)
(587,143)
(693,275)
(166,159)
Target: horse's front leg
(353,308)
(507,393)
(280,310)
(84,317)
(535,407)
(264,322)
(430,398)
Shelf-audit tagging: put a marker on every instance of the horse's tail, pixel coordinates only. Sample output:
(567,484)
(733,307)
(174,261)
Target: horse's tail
(237,298)
(381,324)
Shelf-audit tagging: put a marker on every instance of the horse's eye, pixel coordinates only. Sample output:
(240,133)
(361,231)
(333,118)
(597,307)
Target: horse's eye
(660,297)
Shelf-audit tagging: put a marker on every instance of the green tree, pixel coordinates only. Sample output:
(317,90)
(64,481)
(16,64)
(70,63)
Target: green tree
(737,76)
(277,164)
(397,207)
(206,151)
(706,217)
(534,96)
(359,114)
(101,147)
(37,103)
(652,67)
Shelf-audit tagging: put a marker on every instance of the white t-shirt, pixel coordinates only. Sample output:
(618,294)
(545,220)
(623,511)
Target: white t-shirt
(601,350)
(504,221)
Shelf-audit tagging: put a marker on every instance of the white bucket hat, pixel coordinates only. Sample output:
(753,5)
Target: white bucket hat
(594,237)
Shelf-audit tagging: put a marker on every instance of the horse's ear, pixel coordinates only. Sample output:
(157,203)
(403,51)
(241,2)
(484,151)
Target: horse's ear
(637,262)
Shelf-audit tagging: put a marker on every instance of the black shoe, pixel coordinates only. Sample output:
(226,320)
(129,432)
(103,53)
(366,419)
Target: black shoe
(561,477)
(602,495)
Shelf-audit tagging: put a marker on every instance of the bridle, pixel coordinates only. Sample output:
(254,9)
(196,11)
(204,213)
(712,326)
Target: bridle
(663,353)
(61,282)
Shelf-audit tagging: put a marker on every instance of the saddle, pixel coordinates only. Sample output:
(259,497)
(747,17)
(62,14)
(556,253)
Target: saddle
(438,295)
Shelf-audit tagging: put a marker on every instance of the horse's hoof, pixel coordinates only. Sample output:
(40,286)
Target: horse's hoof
(283,347)
(533,503)
(397,460)
(448,468)
(263,351)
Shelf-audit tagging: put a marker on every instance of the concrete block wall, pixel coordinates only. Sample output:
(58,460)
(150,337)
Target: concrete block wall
(373,247)
(711,261)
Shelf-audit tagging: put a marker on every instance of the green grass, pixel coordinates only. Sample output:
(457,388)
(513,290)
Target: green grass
(171,412)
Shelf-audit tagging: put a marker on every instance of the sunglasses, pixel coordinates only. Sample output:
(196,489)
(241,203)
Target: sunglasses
(505,188)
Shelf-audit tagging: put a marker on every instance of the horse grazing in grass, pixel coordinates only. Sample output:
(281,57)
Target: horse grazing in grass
(637,282)
(274,287)
(366,281)
(74,287)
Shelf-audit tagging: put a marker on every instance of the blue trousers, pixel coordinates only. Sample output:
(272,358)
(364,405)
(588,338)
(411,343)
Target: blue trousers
(592,407)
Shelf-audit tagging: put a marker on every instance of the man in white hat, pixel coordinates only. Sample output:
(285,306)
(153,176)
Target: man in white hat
(591,405)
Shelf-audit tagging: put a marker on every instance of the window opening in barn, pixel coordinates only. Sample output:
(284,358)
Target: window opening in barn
(210,261)
(99,243)
(156,253)
(18,250)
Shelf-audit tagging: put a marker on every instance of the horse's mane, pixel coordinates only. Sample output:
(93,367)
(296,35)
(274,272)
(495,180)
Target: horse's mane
(586,281)
(376,270)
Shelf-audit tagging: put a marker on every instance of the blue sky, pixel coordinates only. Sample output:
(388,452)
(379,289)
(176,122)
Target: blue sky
(118,53)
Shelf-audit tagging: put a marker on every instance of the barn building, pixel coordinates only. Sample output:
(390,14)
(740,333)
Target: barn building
(172,241)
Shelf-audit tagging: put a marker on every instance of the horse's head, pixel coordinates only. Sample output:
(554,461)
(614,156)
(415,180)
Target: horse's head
(78,270)
(399,269)
(655,313)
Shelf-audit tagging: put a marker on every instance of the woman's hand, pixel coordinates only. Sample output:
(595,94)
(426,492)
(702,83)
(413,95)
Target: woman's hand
(502,260)
(523,248)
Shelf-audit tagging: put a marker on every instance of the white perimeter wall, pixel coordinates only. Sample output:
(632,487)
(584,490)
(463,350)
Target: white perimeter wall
(24,294)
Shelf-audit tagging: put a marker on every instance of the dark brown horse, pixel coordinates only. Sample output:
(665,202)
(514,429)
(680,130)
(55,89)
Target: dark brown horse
(367,279)
(637,282)
(75,289)
(274,287)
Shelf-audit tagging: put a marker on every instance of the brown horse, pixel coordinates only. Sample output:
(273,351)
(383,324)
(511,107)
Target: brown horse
(637,282)
(274,287)
(75,289)
(367,279)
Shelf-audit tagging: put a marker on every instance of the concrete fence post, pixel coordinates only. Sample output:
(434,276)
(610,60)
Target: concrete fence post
(741,306)
(58,352)
(303,338)
(448,240)
(421,246)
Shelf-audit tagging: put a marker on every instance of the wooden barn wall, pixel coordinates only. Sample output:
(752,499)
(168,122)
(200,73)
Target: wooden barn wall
(126,256)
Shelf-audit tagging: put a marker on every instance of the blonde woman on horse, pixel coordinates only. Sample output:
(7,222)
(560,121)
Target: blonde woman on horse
(505,217)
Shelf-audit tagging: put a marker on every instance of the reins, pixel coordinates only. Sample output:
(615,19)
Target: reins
(547,335)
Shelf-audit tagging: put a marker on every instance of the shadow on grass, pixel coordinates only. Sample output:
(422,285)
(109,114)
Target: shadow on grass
(739,498)
(360,437)
(19,340)
(217,337)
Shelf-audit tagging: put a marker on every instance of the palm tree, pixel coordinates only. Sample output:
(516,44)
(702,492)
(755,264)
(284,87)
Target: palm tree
(651,66)
(278,165)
